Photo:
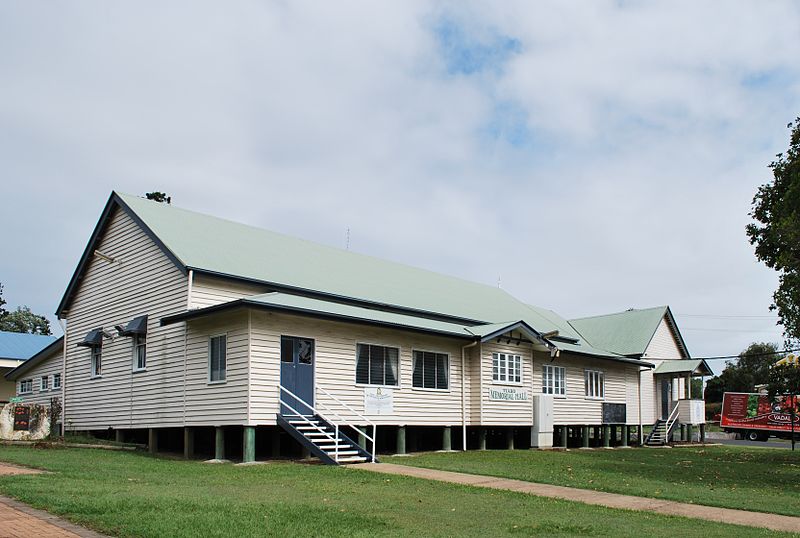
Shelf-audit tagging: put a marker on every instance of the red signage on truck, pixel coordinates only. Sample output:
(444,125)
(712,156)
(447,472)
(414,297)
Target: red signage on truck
(757,412)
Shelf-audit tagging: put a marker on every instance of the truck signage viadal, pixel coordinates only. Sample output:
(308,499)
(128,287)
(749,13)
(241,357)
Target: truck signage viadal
(742,410)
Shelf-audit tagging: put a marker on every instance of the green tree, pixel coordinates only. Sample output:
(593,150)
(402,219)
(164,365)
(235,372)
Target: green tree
(783,387)
(750,369)
(776,234)
(160,197)
(22,320)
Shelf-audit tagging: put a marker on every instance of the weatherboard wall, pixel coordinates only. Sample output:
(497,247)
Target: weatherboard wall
(663,345)
(48,367)
(575,407)
(210,290)
(335,370)
(217,403)
(506,412)
(140,280)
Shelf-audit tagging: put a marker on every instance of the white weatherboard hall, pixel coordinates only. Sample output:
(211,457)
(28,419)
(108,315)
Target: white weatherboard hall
(201,334)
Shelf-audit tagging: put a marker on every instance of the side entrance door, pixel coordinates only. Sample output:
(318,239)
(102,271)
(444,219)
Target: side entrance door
(666,393)
(297,374)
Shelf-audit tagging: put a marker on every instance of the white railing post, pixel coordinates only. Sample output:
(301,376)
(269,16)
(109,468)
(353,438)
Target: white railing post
(374,441)
(337,443)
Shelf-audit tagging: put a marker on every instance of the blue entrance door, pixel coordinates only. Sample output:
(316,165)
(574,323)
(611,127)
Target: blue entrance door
(297,374)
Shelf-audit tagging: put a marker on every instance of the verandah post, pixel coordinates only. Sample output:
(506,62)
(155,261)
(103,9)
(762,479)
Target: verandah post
(481,438)
(249,441)
(219,443)
(446,440)
(626,432)
(401,440)
(564,431)
(606,436)
(152,440)
(510,439)
(188,443)
(585,437)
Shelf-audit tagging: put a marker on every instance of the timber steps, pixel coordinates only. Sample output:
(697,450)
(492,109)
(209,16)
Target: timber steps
(320,438)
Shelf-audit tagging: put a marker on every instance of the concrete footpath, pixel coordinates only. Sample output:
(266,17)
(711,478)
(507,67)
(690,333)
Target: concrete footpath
(610,500)
(19,520)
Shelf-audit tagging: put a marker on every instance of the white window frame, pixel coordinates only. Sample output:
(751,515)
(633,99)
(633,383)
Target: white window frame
(594,384)
(139,343)
(95,360)
(399,365)
(506,367)
(56,377)
(554,380)
(44,383)
(23,383)
(414,367)
(225,370)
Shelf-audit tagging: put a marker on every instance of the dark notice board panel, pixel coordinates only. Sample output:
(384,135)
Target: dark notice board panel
(614,413)
(22,418)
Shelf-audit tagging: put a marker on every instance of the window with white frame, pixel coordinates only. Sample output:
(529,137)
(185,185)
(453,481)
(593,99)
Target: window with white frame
(44,383)
(218,358)
(26,386)
(377,365)
(594,382)
(56,381)
(506,368)
(431,370)
(554,380)
(139,352)
(97,360)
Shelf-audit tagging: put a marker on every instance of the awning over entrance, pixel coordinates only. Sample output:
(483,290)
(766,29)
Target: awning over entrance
(684,366)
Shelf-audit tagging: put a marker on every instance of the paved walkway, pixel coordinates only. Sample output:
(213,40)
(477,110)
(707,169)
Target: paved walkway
(19,520)
(611,500)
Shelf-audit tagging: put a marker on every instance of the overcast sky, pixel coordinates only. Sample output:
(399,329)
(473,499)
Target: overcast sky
(589,156)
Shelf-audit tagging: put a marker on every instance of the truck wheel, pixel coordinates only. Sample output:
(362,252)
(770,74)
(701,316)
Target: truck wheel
(753,436)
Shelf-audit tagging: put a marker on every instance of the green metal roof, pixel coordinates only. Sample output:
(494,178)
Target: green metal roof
(374,289)
(684,366)
(625,333)
(219,246)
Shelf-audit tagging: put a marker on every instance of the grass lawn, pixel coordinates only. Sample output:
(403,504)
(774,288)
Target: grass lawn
(764,480)
(132,494)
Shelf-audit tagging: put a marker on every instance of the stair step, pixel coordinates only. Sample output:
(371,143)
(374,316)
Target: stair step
(343,452)
(304,422)
(327,445)
(311,427)
(353,459)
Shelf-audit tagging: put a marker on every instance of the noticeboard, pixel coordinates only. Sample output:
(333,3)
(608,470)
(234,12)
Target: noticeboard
(22,418)
(614,413)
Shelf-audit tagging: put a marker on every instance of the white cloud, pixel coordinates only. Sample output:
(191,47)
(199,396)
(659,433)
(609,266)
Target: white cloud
(630,138)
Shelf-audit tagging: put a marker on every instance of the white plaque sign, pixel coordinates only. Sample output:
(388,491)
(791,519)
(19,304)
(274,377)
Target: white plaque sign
(378,401)
(510,394)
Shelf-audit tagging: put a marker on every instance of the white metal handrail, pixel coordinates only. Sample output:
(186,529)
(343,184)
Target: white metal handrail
(673,417)
(335,424)
(359,415)
(335,438)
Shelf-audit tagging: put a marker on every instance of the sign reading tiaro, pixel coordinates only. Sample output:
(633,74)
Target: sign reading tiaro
(508,393)
(378,401)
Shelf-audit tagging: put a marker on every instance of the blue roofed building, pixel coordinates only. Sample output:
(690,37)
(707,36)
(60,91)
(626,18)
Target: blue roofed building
(15,349)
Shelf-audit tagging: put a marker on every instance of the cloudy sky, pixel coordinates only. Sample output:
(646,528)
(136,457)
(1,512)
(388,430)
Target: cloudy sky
(589,156)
